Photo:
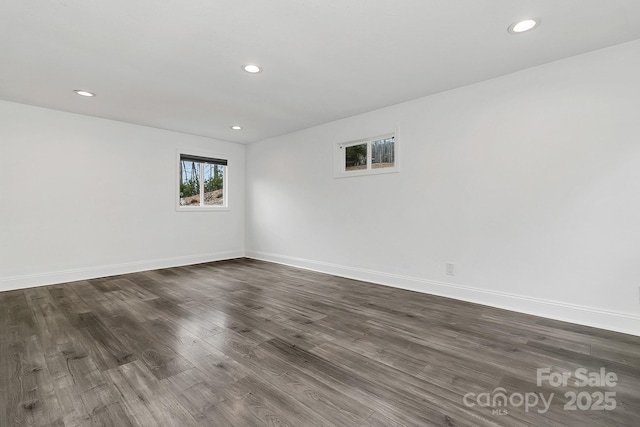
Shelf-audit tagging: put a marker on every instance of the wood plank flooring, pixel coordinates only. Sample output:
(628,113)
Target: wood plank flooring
(249,343)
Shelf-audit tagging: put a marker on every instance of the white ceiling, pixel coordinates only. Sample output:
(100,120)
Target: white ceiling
(176,64)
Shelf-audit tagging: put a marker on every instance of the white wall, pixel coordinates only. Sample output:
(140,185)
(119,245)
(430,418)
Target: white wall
(85,197)
(529,183)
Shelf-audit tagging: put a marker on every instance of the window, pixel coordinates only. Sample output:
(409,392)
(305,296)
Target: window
(366,157)
(202,182)
(383,153)
(355,157)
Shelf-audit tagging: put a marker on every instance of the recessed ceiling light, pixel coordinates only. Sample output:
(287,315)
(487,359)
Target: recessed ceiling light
(522,26)
(251,68)
(84,93)
(236,127)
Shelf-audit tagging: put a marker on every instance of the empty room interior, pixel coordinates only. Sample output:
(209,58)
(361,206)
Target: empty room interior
(320,213)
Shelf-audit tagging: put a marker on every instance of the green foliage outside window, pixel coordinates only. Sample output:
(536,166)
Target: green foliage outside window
(190,179)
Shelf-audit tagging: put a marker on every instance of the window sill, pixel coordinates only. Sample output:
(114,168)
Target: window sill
(202,209)
(365,172)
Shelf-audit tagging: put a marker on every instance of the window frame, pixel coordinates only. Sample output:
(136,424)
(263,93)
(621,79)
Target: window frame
(340,152)
(225,181)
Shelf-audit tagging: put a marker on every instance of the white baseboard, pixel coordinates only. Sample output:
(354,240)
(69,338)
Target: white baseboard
(588,316)
(52,278)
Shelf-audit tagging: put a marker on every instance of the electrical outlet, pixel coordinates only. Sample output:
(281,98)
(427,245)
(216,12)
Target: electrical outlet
(451,269)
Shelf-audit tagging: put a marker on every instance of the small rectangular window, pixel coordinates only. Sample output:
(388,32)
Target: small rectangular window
(366,157)
(383,153)
(355,157)
(202,182)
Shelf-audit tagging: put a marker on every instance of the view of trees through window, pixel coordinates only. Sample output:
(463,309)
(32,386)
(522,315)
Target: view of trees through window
(356,157)
(381,151)
(201,183)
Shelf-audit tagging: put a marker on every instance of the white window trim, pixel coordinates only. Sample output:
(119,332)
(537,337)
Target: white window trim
(225,178)
(339,170)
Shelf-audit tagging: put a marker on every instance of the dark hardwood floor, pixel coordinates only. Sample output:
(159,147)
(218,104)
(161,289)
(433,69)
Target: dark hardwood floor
(248,343)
